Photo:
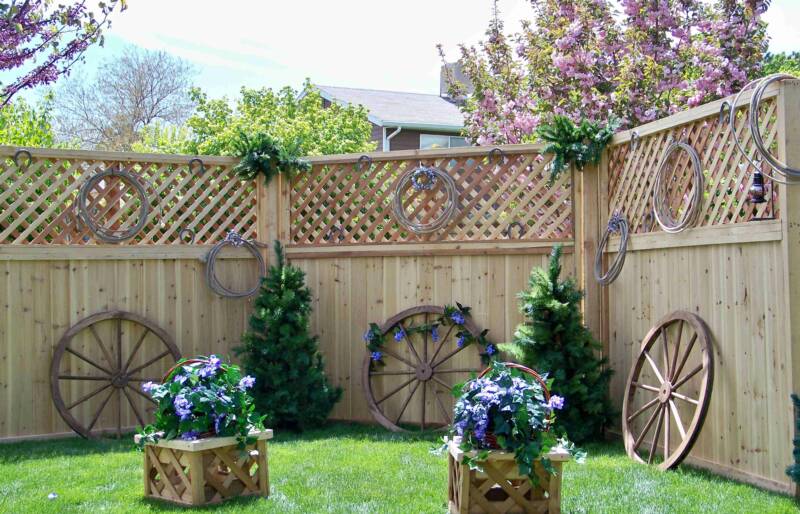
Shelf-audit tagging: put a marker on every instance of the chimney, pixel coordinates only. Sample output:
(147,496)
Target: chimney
(453,72)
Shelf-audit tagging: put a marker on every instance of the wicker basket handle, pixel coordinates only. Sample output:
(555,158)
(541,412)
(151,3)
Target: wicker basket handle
(524,369)
(179,364)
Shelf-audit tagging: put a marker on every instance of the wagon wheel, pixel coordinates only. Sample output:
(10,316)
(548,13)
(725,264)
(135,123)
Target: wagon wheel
(416,366)
(673,387)
(106,357)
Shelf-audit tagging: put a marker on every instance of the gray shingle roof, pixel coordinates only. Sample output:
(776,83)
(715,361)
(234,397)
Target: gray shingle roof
(395,108)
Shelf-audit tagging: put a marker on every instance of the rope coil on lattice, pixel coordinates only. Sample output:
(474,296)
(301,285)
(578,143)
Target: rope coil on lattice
(237,241)
(449,210)
(660,202)
(508,231)
(618,223)
(781,170)
(103,233)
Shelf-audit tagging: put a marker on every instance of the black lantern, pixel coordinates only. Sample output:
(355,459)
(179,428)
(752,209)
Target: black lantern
(757,190)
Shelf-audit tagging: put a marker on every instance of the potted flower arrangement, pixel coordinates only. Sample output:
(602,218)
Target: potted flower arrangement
(502,434)
(207,443)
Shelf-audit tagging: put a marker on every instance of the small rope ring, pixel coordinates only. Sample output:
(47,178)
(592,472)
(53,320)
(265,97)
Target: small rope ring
(616,223)
(103,233)
(725,105)
(16,158)
(336,228)
(634,141)
(200,162)
(496,153)
(364,159)
(186,232)
(509,229)
(235,240)
(450,209)
(660,207)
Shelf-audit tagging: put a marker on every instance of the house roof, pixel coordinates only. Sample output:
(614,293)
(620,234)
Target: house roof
(399,109)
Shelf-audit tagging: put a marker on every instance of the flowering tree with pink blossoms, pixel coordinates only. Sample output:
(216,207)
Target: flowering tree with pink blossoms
(41,40)
(583,60)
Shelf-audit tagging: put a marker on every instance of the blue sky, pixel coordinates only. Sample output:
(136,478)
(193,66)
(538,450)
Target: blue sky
(357,43)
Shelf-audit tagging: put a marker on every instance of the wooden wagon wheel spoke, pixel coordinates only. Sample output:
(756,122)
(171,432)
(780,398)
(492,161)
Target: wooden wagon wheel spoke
(669,332)
(136,412)
(135,349)
(394,373)
(116,378)
(88,396)
(105,351)
(143,379)
(86,359)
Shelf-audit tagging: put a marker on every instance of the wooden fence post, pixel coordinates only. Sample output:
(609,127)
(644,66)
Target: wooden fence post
(789,152)
(273,212)
(587,216)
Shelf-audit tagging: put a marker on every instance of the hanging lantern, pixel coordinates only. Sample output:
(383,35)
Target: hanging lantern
(757,190)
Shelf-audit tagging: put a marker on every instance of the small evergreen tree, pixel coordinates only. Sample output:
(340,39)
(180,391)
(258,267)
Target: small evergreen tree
(553,339)
(291,388)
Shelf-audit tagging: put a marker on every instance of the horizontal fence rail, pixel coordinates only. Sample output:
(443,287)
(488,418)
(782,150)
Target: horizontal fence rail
(499,195)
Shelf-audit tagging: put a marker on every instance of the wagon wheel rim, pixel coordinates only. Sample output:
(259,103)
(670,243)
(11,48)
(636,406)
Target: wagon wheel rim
(424,372)
(666,351)
(114,372)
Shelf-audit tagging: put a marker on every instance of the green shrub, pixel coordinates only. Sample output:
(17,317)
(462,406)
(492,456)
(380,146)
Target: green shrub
(291,388)
(554,339)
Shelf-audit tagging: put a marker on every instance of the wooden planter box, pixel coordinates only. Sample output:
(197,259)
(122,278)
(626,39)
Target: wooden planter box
(206,471)
(499,488)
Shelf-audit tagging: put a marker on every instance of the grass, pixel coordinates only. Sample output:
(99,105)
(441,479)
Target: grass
(353,469)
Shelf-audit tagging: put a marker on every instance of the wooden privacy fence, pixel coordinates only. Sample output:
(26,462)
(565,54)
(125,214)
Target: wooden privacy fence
(357,226)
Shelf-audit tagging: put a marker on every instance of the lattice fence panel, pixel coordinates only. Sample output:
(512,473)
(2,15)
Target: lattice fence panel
(727,178)
(39,201)
(340,203)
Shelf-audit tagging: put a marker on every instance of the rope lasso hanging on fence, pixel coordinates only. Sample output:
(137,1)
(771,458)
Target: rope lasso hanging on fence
(781,171)
(617,223)
(237,241)
(413,176)
(660,202)
(104,233)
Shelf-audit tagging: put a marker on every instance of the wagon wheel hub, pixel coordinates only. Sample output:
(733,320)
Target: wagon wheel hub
(424,372)
(665,392)
(119,380)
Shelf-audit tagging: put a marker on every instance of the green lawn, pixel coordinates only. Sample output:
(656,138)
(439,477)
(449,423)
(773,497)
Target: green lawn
(352,469)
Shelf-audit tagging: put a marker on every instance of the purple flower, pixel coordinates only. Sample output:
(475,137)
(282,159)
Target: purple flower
(435,334)
(183,407)
(490,349)
(180,378)
(210,369)
(461,340)
(556,402)
(457,318)
(148,387)
(247,382)
(376,356)
(190,435)
(369,336)
(399,335)
(217,422)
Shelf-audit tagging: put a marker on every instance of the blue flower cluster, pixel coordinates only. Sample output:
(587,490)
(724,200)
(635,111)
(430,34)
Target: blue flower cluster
(435,334)
(457,318)
(399,334)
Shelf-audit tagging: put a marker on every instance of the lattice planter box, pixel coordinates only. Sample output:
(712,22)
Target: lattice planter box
(206,471)
(499,488)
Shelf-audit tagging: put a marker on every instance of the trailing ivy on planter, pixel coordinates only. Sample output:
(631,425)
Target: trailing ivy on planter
(569,143)
(261,155)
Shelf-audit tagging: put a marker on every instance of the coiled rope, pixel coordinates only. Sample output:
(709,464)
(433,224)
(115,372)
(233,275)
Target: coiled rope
(443,219)
(660,204)
(617,223)
(103,233)
(237,241)
(780,170)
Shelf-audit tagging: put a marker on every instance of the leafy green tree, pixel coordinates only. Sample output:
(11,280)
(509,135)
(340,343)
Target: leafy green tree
(553,339)
(290,118)
(291,388)
(22,124)
(162,138)
(782,62)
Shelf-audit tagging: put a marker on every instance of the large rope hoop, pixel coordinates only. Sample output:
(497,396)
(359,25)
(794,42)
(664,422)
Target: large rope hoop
(235,240)
(424,178)
(104,233)
(660,202)
(618,223)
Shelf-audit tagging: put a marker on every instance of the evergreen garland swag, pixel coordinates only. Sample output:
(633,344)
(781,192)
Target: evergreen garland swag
(553,338)
(261,154)
(291,388)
